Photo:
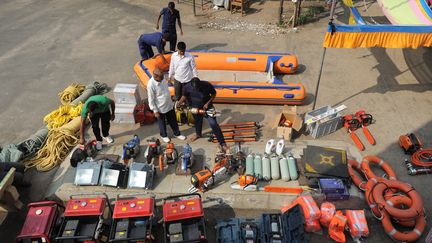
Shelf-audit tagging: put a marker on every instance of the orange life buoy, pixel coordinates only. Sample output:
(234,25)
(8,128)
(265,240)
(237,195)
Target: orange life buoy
(409,236)
(354,166)
(381,163)
(400,202)
(409,213)
(376,210)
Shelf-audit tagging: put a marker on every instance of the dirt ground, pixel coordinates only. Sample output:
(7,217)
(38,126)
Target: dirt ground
(46,45)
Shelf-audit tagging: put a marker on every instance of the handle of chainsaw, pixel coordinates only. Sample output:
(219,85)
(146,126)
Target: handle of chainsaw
(368,135)
(357,141)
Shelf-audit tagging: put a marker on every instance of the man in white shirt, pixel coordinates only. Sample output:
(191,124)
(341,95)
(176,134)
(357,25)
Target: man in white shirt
(160,103)
(182,69)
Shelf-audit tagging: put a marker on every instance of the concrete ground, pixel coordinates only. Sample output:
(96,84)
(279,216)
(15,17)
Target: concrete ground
(46,45)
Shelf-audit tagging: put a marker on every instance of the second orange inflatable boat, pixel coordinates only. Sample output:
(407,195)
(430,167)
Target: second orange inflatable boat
(242,92)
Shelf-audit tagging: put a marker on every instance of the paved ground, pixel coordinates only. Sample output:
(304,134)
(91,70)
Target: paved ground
(46,45)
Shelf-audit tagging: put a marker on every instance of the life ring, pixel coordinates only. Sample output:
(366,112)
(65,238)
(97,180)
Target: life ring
(381,163)
(375,208)
(401,202)
(409,236)
(409,213)
(354,166)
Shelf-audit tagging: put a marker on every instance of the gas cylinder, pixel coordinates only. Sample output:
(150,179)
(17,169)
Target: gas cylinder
(258,167)
(292,167)
(266,168)
(283,163)
(249,165)
(275,172)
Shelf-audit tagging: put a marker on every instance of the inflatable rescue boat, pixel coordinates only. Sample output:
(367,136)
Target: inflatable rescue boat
(238,77)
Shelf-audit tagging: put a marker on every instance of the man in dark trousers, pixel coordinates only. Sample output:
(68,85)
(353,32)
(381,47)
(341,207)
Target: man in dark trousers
(200,94)
(170,16)
(146,41)
(97,108)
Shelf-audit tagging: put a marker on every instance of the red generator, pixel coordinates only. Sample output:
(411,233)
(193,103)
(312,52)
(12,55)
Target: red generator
(133,219)
(183,219)
(41,224)
(86,220)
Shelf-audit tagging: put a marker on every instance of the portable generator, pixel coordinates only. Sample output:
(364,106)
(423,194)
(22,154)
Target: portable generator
(131,149)
(169,156)
(132,219)
(153,150)
(183,219)
(86,219)
(185,162)
(41,223)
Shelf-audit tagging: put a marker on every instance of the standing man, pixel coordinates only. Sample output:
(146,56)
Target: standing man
(200,94)
(170,15)
(160,103)
(97,107)
(182,69)
(146,41)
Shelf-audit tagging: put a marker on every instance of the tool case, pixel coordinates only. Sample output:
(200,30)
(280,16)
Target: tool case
(338,196)
(228,231)
(292,224)
(272,231)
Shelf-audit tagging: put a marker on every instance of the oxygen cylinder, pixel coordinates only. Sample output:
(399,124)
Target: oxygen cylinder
(249,165)
(266,168)
(283,163)
(258,167)
(292,167)
(275,172)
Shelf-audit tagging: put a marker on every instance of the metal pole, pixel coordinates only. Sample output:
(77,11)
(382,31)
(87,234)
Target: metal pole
(194,10)
(281,11)
(332,10)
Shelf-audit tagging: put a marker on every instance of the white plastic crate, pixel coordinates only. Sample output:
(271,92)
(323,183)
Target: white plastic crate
(124,113)
(126,94)
(325,126)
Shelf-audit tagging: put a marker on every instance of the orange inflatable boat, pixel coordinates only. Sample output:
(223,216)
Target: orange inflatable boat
(239,77)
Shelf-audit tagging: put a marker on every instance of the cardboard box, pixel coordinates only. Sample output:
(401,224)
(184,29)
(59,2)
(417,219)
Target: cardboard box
(289,113)
(126,94)
(124,113)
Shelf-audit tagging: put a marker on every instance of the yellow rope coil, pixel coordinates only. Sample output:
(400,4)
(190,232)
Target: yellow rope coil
(60,141)
(62,115)
(70,93)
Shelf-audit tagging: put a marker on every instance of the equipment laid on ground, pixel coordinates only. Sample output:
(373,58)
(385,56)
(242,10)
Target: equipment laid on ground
(133,219)
(421,159)
(391,201)
(143,115)
(202,180)
(238,163)
(169,156)
(40,224)
(246,183)
(293,225)
(153,151)
(266,169)
(272,231)
(334,189)
(131,149)
(238,132)
(186,161)
(258,167)
(292,167)
(87,173)
(113,174)
(270,146)
(183,219)
(250,165)
(141,175)
(360,120)
(324,162)
(86,219)
(275,170)
(283,164)
(324,120)
(280,147)
(83,153)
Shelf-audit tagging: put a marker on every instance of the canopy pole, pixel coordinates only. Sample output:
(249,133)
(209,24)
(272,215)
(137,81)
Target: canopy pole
(332,10)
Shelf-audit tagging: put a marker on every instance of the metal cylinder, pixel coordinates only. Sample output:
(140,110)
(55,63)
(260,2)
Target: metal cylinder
(266,168)
(292,167)
(283,164)
(275,172)
(258,167)
(249,165)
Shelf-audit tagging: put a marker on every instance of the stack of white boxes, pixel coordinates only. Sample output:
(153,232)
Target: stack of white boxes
(126,97)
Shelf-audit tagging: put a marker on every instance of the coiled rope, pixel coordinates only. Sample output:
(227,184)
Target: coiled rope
(71,93)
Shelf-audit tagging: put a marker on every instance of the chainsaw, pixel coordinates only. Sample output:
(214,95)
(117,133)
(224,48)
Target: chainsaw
(131,149)
(354,122)
(211,112)
(204,179)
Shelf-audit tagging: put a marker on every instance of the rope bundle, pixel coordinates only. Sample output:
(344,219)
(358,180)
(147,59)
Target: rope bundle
(70,93)
(62,115)
(60,141)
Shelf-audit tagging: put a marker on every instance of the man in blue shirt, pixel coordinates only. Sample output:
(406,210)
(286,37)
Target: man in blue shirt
(200,94)
(146,41)
(170,16)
